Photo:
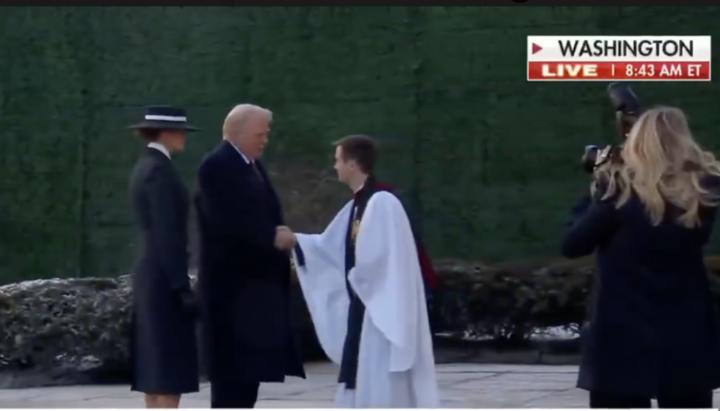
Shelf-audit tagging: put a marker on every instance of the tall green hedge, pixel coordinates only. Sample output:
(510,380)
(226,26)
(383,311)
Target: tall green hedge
(489,161)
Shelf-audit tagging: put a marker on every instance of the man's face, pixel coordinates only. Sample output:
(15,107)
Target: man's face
(254,136)
(343,168)
(173,140)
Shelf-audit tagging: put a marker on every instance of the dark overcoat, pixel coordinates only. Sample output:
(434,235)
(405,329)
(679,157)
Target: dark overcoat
(654,327)
(249,332)
(163,346)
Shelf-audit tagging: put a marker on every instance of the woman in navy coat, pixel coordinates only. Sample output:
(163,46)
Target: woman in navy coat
(163,348)
(654,330)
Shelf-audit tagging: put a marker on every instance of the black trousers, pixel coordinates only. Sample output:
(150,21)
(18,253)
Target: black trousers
(665,400)
(242,395)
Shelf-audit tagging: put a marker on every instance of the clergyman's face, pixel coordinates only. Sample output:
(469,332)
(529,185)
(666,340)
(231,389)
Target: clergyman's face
(343,168)
(255,134)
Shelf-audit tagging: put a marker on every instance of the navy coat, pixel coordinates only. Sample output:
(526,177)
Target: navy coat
(249,332)
(654,326)
(163,345)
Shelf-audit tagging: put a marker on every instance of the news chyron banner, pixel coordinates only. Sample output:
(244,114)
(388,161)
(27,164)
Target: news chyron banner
(618,58)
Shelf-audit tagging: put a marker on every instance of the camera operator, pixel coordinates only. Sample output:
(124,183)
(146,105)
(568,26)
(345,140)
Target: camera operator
(627,110)
(654,330)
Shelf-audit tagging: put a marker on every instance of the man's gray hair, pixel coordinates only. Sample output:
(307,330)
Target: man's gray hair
(239,115)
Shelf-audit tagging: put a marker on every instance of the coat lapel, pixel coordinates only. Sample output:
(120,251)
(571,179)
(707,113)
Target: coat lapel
(167,164)
(234,158)
(272,194)
(172,172)
(157,155)
(245,169)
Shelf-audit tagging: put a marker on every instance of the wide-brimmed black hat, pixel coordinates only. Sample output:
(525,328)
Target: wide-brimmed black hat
(164,117)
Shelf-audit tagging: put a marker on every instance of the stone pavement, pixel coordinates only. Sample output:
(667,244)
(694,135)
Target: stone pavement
(462,386)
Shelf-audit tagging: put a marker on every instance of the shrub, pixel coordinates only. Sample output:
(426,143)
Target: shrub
(508,301)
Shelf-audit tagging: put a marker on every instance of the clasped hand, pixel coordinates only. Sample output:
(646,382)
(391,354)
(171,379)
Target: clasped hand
(284,238)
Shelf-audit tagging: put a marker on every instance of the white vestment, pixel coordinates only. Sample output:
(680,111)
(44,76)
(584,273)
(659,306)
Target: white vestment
(396,365)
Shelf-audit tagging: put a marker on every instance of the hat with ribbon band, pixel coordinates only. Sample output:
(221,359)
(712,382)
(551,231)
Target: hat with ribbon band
(164,118)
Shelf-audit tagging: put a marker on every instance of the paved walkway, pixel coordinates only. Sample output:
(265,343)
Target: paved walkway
(462,386)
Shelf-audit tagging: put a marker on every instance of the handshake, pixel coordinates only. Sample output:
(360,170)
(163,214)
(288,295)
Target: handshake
(284,238)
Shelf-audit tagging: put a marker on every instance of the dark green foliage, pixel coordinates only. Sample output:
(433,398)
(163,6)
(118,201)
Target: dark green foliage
(487,161)
(508,301)
(72,318)
(46,321)
(60,322)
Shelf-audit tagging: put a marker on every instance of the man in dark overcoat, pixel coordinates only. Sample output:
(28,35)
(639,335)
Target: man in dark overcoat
(249,334)
(163,346)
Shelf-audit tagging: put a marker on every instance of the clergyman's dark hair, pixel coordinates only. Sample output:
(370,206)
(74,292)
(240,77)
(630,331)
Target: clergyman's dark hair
(361,149)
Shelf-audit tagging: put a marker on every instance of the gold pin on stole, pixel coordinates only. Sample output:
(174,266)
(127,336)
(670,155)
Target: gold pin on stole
(355,230)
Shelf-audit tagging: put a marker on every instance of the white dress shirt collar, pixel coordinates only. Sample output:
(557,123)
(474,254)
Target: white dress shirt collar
(161,148)
(247,160)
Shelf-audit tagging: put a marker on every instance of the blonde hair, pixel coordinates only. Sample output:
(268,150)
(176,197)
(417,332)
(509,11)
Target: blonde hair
(662,162)
(239,114)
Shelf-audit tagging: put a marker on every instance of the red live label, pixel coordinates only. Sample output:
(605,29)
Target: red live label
(610,71)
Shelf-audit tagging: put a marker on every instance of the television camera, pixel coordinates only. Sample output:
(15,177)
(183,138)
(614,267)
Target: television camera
(627,110)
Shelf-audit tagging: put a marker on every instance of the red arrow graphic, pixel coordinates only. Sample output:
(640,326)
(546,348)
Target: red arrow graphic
(535,48)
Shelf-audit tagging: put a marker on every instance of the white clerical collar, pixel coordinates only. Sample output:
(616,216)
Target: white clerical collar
(161,148)
(247,160)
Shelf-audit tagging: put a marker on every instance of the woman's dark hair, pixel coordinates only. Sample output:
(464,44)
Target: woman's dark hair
(149,134)
(361,149)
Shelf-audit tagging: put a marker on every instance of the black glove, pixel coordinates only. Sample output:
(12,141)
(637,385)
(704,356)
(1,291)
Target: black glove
(188,301)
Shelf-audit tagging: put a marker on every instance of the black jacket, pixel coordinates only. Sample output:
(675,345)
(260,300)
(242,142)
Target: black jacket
(653,325)
(164,350)
(249,331)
